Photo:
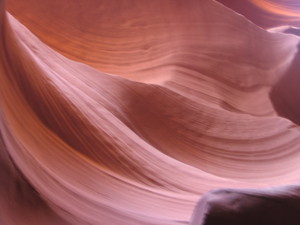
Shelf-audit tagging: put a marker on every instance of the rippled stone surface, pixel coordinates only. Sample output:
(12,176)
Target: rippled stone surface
(127,112)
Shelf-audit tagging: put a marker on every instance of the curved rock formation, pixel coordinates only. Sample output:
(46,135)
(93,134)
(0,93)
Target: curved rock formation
(267,13)
(272,206)
(126,112)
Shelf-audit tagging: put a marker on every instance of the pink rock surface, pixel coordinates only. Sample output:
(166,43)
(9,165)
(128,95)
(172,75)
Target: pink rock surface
(127,112)
(268,13)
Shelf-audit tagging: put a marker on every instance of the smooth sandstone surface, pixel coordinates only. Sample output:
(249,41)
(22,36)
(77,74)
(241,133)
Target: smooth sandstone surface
(127,112)
(268,13)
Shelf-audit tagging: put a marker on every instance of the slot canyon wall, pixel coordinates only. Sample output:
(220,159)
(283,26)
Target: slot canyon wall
(119,112)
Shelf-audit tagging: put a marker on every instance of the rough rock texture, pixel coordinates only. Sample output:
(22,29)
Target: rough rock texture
(126,112)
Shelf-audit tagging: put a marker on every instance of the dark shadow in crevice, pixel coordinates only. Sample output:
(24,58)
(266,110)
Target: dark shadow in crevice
(285,95)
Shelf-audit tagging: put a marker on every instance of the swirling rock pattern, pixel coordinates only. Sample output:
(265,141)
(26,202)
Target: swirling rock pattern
(126,112)
(268,13)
